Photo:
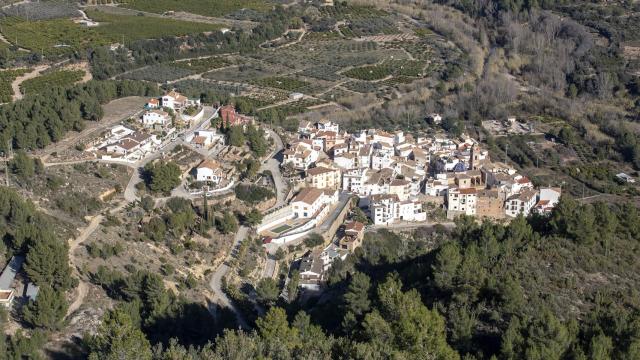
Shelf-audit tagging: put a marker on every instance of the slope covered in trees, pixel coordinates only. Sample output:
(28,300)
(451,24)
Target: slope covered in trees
(556,287)
(36,121)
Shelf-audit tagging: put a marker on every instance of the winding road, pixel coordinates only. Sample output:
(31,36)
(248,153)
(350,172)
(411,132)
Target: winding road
(272,164)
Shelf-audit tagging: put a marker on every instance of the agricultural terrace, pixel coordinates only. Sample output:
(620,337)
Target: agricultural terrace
(202,65)
(60,78)
(281,82)
(6,78)
(200,7)
(158,73)
(406,68)
(63,36)
(351,12)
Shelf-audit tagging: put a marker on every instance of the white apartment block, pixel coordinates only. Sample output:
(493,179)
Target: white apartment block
(462,201)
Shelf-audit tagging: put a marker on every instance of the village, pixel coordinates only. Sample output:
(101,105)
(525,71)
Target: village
(393,178)
(329,184)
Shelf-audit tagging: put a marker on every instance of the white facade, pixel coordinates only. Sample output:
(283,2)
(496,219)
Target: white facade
(313,203)
(387,209)
(521,203)
(155,117)
(328,126)
(462,201)
(209,171)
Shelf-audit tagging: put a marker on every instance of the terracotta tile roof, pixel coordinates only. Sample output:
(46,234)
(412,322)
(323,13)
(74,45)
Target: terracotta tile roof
(319,170)
(354,226)
(199,140)
(523,180)
(308,195)
(399,182)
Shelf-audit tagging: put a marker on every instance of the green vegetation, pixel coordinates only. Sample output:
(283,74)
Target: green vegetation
(6,78)
(215,8)
(36,121)
(145,27)
(253,194)
(313,240)
(404,68)
(158,73)
(63,36)
(227,223)
(267,291)
(162,177)
(60,78)
(202,65)
(28,233)
(281,82)
(235,136)
(48,310)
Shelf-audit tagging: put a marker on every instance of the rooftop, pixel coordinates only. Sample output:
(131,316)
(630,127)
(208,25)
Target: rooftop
(308,195)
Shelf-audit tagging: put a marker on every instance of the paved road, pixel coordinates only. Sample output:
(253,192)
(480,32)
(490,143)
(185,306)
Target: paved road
(273,165)
(219,297)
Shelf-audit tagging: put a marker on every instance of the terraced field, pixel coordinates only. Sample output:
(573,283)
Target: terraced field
(200,7)
(61,78)
(63,36)
(6,78)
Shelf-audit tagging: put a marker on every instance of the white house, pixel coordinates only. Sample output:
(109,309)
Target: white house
(381,160)
(435,118)
(174,100)
(313,203)
(296,96)
(137,142)
(118,132)
(209,171)
(204,138)
(153,103)
(327,125)
(435,187)
(152,118)
(345,161)
(301,155)
(521,203)
(547,200)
